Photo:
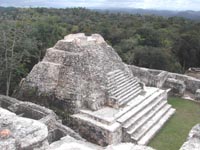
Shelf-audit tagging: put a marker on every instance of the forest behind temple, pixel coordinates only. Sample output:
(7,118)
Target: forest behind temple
(171,44)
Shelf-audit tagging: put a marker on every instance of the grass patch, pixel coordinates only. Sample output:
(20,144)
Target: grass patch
(175,131)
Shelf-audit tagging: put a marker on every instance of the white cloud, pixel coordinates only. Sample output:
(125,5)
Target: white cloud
(167,4)
(146,4)
(155,4)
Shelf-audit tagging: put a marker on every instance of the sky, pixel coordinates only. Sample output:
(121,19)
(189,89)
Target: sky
(144,4)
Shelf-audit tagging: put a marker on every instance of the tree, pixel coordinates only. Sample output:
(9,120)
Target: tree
(156,58)
(187,49)
(149,37)
(16,50)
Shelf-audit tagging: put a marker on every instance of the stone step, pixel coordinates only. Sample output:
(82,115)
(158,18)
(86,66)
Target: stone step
(122,84)
(112,127)
(139,123)
(118,84)
(144,114)
(136,136)
(127,83)
(122,88)
(126,90)
(125,101)
(115,72)
(128,93)
(117,77)
(134,103)
(151,133)
(142,105)
(90,114)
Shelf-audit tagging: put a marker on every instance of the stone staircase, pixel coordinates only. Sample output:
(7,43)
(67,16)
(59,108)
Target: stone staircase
(121,88)
(142,122)
(139,113)
(143,116)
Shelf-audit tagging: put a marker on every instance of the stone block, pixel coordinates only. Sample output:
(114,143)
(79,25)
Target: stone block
(197,95)
(21,133)
(178,87)
(193,140)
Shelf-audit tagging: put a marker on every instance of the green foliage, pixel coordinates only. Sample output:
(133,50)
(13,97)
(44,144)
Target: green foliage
(156,58)
(149,37)
(187,49)
(171,44)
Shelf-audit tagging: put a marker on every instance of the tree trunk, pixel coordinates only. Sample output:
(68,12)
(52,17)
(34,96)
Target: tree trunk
(9,77)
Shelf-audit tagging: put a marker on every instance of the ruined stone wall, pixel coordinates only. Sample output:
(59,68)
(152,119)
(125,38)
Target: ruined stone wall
(150,77)
(179,83)
(192,84)
(44,115)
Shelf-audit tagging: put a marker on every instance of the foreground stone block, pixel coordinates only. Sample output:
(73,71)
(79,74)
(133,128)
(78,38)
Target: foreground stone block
(128,146)
(69,143)
(21,133)
(193,140)
(56,129)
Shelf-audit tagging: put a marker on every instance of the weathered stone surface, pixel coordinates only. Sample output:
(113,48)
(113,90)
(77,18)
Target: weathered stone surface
(150,77)
(128,146)
(85,73)
(21,133)
(29,110)
(193,72)
(197,95)
(69,143)
(97,132)
(193,140)
(72,74)
(160,78)
(177,86)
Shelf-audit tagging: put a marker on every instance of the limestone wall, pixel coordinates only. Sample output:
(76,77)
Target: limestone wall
(149,77)
(44,115)
(177,82)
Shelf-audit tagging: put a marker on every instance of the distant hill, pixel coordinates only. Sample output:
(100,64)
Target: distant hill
(194,15)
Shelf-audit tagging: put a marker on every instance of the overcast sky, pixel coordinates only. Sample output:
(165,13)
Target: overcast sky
(145,4)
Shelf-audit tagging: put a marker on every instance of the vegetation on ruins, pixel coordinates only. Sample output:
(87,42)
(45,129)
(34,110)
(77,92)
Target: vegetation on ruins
(176,130)
(171,44)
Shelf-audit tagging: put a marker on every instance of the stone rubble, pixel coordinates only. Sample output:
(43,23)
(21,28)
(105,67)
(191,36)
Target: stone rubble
(193,140)
(21,133)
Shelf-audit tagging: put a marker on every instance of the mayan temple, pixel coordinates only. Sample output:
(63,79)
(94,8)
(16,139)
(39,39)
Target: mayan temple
(84,77)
